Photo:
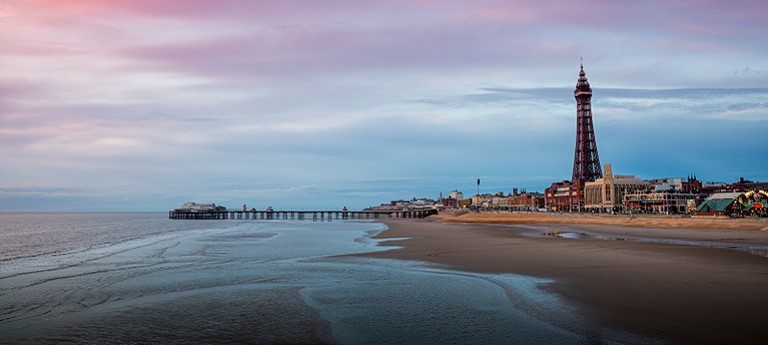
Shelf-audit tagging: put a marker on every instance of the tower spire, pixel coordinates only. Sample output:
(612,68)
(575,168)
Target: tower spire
(586,162)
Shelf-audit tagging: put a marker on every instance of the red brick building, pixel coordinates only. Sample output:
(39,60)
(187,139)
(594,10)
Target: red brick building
(564,196)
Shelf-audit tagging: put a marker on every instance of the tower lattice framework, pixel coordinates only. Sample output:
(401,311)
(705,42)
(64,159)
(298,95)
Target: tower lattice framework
(586,162)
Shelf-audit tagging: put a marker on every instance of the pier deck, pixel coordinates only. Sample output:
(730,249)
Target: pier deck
(299,215)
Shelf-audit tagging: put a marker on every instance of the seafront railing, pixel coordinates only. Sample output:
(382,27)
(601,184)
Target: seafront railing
(299,215)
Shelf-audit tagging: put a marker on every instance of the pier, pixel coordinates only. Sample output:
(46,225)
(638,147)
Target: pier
(298,215)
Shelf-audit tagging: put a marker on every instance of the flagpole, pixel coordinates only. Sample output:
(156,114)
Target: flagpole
(478,193)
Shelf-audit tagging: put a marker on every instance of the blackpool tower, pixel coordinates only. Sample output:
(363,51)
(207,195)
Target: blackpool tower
(586,162)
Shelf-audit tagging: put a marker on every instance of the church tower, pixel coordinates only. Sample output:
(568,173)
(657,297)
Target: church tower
(586,162)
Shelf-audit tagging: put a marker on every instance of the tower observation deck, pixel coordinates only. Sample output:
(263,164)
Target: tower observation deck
(586,162)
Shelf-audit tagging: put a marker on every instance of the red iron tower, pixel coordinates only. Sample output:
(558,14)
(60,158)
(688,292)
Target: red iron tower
(586,162)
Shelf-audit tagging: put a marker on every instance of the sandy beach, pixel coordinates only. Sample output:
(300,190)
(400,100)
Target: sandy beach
(703,222)
(680,294)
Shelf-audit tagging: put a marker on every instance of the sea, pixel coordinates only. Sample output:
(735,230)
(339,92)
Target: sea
(140,278)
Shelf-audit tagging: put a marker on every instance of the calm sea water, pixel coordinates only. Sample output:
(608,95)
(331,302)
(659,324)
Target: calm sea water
(141,278)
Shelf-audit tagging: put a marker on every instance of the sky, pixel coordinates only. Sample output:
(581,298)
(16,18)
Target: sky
(142,105)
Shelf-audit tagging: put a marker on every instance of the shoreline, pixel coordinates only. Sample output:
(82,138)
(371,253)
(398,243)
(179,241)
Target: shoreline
(675,293)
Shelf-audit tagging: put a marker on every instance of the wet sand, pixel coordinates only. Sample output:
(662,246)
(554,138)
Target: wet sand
(679,294)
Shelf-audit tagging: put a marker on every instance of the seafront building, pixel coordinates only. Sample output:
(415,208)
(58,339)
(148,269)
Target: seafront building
(484,201)
(666,196)
(607,194)
(453,200)
(664,202)
(563,196)
(517,201)
(718,204)
(753,203)
(521,202)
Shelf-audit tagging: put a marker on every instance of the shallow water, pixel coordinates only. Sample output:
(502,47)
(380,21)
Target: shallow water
(135,278)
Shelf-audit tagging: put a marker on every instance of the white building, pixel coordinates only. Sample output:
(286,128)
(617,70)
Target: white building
(606,194)
(483,200)
(456,195)
(667,184)
(195,207)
